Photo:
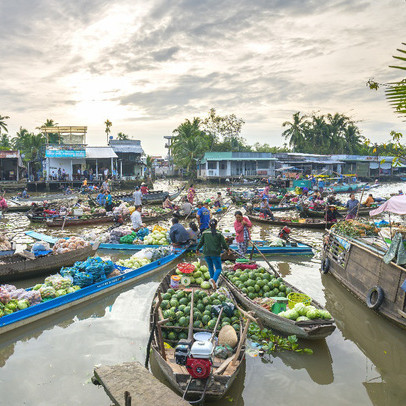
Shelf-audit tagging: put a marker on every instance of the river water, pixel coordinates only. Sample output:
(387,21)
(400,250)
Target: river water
(361,363)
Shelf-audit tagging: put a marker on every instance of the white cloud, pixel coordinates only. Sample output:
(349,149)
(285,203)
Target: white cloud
(148,65)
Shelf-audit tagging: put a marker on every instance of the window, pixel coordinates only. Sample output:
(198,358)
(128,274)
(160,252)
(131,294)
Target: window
(212,165)
(223,165)
(263,164)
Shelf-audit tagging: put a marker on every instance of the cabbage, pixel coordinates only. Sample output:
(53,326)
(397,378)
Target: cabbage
(204,268)
(205,285)
(23,304)
(302,318)
(324,314)
(300,308)
(292,314)
(199,281)
(312,314)
(283,314)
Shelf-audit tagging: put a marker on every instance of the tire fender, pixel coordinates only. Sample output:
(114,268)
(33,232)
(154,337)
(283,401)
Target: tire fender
(325,265)
(375,302)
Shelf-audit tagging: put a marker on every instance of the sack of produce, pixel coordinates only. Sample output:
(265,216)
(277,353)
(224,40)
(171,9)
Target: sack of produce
(47,292)
(40,246)
(82,279)
(223,351)
(4,296)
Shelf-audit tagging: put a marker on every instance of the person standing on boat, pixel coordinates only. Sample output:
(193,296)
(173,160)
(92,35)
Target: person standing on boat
(265,209)
(352,206)
(177,233)
(136,219)
(213,242)
(3,204)
(101,199)
(242,226)
(109,201)
(203,217)
(137,197)
(191,193)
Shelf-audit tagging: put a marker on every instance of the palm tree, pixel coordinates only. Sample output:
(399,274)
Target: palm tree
(353,139)
(122,136)
(3,124)
(295,131)
(53,138)
(107,130)
(189,145)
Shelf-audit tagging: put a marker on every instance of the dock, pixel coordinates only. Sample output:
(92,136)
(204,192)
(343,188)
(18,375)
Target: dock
(132,380)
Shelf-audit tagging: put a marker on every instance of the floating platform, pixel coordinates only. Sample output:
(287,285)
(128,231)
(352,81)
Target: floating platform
(143,388)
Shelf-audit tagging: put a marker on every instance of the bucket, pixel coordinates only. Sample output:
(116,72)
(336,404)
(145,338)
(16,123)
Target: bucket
(175,280)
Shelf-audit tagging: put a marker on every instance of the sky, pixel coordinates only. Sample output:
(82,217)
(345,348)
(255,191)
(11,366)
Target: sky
(148,65)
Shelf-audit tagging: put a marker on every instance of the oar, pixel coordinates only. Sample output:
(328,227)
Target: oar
(359,203)
(263,256)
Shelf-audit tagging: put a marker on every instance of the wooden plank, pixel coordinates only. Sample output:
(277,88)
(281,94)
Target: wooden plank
(41,237)
(142,386)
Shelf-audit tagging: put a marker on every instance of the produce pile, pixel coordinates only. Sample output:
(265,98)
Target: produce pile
(5,244)
(94,236)
(144,257)
(13,299)
(85,273)
(258,283)
(71,244)
(159,236)
(301,312)
(155,212)
(354,228)
(135,237)
(123,209)
(176,307)
(199,276)
(119,232)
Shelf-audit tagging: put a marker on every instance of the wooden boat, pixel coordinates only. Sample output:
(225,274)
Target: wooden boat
(158,217)
(223,372)
(256,199)
(153,197)
(9,252)
(25,265)
(353,187)
(310,213)
(311,330)
(359,266)
(40,311)
(309,223)
(18,209)
(278,208)
(80,221)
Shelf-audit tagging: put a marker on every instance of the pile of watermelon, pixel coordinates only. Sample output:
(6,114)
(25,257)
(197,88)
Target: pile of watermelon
(258,283)
(176,307)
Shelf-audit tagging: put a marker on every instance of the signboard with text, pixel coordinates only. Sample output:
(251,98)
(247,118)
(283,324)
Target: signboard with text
(62,153)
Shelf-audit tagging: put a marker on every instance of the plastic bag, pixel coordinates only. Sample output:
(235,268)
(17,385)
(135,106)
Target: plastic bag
(40,246)
(4,296)
(223,351)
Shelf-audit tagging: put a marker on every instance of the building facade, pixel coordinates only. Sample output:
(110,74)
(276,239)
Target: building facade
(129,154)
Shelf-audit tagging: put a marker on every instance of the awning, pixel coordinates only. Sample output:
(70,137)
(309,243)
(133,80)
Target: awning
(288,168)
(396,205)
(100,153)
(384,165)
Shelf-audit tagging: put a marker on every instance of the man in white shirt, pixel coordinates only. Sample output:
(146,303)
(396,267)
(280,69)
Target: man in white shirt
(136,219)
(137,197)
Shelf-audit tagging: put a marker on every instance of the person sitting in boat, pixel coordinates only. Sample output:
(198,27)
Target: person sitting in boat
(191,193)
(369,200)
(136,219)
(109,201)
(193,232)
(144,188)
(332,214)
(101,199)
(332,199)
(167,204)
(212,242)
(352,206)
(177,233)
(25,194)
(284,233)
(219,200)
(84,184)
(3,204)
(265,209)
(186,207)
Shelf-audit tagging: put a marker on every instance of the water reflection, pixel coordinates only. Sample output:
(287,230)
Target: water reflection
(382,343)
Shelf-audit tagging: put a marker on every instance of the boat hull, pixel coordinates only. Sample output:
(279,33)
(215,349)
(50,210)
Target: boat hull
(319,225)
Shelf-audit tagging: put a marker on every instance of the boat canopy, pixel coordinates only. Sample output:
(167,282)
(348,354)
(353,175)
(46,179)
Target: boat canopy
(396,205)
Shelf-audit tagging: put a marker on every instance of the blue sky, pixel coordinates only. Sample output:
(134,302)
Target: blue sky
(146,66)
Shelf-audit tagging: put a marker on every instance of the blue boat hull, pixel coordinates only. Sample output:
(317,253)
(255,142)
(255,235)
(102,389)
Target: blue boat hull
(44,309)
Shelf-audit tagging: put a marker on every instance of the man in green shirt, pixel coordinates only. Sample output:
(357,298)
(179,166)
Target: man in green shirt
(213,242)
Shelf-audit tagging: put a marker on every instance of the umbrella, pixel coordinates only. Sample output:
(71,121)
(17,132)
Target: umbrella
(396,205)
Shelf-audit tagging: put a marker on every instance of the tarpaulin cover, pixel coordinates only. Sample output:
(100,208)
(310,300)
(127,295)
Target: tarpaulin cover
(396,204)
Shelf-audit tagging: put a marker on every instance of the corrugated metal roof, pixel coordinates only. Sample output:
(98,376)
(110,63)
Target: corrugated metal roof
(127,146)
(100,152)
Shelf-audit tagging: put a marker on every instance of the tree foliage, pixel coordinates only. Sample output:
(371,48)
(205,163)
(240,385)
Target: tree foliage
(29,144)
(121,136)
(323,134)
(3,124)
(53,138)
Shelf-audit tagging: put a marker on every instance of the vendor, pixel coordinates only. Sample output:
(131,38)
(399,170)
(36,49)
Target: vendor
(203,217)
(3,204)
(284,233)
(137,195)
(219,200)
(109,201)
(352,206)
(101,199)
(167,204)
(369,200)
(144,188)
(332,214)
(177,233)
(265,209)
(186,207)
(193,232)
(136,219)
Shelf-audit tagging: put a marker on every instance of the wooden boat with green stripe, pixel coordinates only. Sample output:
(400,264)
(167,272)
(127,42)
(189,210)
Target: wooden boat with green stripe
(282,221)
(311,330)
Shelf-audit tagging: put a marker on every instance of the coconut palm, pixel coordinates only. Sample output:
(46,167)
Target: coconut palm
(53,138)
(295,132)
(3,124)
(108,125)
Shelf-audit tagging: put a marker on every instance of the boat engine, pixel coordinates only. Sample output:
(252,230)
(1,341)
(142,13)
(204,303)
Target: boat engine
(196,358)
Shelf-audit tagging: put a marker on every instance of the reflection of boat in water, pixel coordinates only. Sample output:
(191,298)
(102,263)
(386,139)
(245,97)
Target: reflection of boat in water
(381,342)
(318,366)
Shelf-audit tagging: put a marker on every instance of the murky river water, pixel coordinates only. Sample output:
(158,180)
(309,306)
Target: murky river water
(361,363)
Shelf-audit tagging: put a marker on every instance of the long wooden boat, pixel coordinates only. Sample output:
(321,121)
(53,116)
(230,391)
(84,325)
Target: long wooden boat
(223,372)
(153,197)
(310,223)
(256,199)
(353,187)
(311,330)
(25,265)
(158,217)
(45,309)
(18,209)
(307,212)
(278,208)
(359,266)
(70,222)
